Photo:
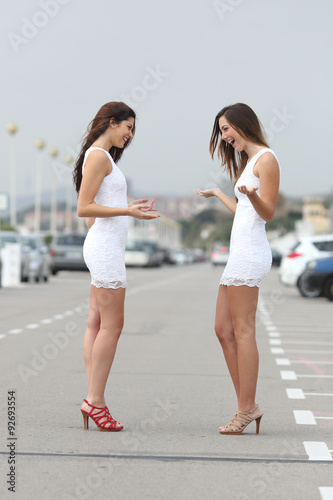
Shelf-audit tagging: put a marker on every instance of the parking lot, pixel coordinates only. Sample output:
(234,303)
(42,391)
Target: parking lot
(170,388)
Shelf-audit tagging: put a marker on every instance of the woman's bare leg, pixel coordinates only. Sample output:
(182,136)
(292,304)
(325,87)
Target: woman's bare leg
(243,302)
(111,309)
(93,326)
(225,333)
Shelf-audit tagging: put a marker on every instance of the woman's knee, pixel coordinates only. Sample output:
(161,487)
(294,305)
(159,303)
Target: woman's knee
(224,333)
(94,320)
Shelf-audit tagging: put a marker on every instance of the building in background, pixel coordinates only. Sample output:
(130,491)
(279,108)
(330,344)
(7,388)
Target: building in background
(315,213)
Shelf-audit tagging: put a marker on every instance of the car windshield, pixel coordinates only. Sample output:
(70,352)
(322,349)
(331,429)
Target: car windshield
(324,246)
(135,247)
(30,242)
(8,239)
(70,239)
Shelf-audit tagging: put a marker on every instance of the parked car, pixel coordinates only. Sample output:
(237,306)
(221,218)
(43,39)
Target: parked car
(38,264)
(276,257)
(317,279)
(142,254)
(156,253)
(307,248)
(66,253)
(136,255)
(178,256)
(13,237)
(220,255)
(199,255)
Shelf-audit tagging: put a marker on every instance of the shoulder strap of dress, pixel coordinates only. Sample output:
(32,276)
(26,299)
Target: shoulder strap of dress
(261,152)
(91,149)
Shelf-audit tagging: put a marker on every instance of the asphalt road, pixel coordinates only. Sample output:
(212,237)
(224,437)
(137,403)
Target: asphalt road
(170,388)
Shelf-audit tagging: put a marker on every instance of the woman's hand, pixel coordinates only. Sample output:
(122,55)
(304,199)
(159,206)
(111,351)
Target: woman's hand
(139,211)
(247,190)
(144,200)
(207,193)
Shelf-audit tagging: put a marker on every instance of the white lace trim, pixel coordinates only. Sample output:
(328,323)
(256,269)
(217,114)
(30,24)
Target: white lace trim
(107,284)
(240,282)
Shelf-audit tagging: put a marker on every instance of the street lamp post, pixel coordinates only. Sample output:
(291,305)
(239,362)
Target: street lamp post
(69,160)
(40,144)
(53,219)
(12,129)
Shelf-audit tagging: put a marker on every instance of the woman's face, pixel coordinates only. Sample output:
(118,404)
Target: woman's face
(230,135)
(122,132)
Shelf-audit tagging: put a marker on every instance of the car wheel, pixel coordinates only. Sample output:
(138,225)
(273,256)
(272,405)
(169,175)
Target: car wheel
(46,279)
(54,272)
(328,289)
(305,289)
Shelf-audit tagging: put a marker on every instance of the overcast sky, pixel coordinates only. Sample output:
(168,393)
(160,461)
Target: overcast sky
(178,63)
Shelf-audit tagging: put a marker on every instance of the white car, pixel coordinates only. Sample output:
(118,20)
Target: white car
(220,255)
(307,248)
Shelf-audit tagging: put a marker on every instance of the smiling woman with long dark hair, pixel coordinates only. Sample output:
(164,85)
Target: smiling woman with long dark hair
(243,150)
(102,200)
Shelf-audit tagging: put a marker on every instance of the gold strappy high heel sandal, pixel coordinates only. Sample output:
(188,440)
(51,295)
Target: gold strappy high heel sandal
(240,421)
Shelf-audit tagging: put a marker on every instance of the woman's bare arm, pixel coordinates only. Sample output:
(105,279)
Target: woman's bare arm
(230,203)
(96,168)
(268,171)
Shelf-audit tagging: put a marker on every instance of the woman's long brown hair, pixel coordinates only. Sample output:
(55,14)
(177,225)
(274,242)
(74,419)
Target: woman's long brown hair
(244,120)
(119,111)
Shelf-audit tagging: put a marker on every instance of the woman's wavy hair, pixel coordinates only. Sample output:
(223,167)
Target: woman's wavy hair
(119,111)
(244,120)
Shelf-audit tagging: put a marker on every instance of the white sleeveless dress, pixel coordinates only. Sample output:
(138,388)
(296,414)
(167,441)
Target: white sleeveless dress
(250,254)
(104,246)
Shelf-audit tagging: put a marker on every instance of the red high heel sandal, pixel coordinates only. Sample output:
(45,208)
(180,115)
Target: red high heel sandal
(97,414)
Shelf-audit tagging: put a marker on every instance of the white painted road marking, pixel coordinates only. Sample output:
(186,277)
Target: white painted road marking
(32,326)
(304,417)
(277,350)
(282,361)
(299,394)
(295,394)
(288,375)
(326,492)
(317,450)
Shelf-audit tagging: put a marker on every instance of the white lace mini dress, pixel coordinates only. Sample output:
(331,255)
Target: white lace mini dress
(250,254)
(104,246)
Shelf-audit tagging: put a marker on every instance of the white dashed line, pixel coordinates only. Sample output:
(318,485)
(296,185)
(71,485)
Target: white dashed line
(295,394)
(275,342)
(46,321)
(282,361)
(2,336)
(32,326)
(15,331)
(288,375)
(317,450)
(326,492)
(58,316)
(304,417)
(277,350)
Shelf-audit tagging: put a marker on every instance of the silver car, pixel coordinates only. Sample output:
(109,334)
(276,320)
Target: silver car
(66,253)
(37,266)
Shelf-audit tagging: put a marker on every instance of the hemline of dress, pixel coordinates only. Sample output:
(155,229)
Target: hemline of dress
(250,284)
(113,286)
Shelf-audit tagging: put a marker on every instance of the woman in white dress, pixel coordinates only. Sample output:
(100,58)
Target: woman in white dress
(243,150)
(102,200)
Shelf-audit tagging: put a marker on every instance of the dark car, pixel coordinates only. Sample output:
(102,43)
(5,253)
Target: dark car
(317,279)
(66,253)
(276,257)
